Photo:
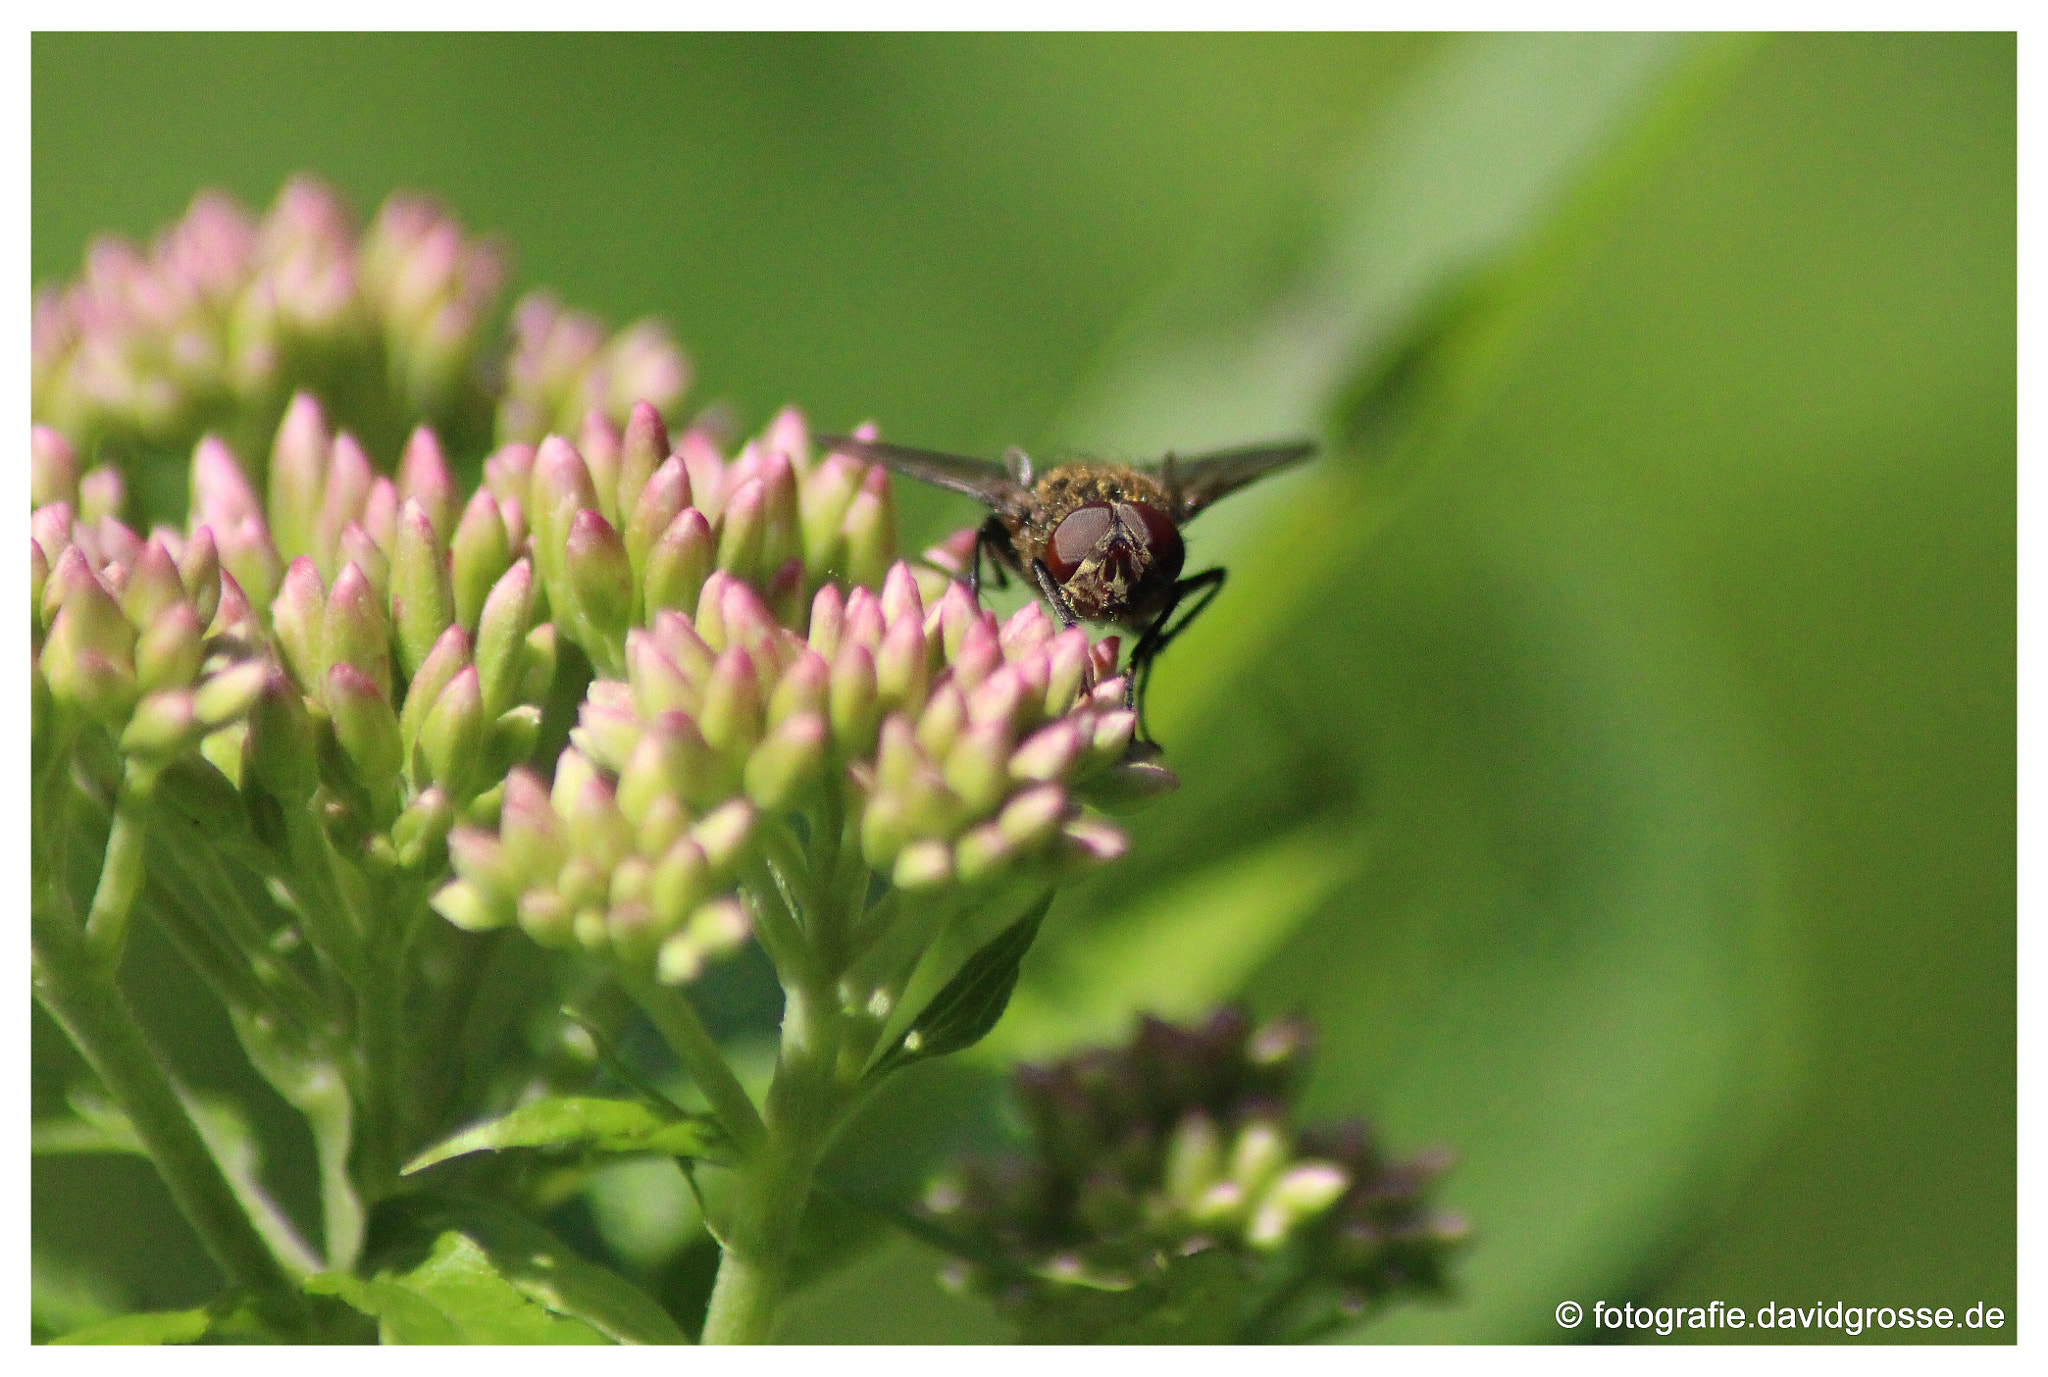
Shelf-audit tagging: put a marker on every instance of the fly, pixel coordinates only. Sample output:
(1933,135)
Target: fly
(1100,542)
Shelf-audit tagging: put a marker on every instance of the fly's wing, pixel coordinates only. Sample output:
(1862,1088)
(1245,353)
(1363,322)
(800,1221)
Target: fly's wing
(1197,482)
(978,478)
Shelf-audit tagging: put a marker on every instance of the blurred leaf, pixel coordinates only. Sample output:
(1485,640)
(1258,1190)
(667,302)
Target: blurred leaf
(158,1327)
(66,1295)
(585,1123)
(463,1271)
(969,1004)
(1499,160)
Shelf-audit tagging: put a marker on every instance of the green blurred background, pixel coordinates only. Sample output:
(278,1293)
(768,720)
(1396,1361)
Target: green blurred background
(1611,740)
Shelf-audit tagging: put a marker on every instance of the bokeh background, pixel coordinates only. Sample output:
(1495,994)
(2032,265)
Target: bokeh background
(1610,740)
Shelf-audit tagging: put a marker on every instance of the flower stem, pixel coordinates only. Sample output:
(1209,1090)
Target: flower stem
(692,1043)
(775,1184)
(80,991)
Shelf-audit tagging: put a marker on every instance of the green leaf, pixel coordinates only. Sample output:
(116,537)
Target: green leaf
(587,1124)
(972,1002)
(470,1272)
(153,1327)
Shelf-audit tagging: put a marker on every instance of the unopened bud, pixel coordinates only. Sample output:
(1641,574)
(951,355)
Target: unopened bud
(480,554)
(422,596)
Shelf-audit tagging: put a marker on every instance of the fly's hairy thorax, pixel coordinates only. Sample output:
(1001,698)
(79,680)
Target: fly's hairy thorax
(1060,490)
(1125,573)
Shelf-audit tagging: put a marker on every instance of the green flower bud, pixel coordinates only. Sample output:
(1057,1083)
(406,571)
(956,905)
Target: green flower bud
(1301,1193)
(298,472)
(902,671)
(421,829)
(856,704)
(731,718)
(422,596)
(530,829)
(466,906)
(453,734)
(358,547)
(599,444)
(540,663)
(164,724)
(229,695)
(643,450)
(448,658)
(168,652)
(480,554)
(282,753)
(199,569)
(924,864)
(347,493)
(679,563)
(153,585)
(978,766)
(561,487)
(38,580)
(52,470)
(299,618)
(662,496)
(367,730)
(784,766)
(1194,1159)
(681,881)
(600,583)
(782,528)
(423,477)
(356,633)
(805,687)
(744,531)
(723,833)
(825,497)
(1258,1154)
(828,618)
(100,496)
(547,918)
(501,646)
(870,530)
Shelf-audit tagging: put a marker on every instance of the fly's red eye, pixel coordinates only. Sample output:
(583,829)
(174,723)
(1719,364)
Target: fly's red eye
(1162,538)
(1076,538)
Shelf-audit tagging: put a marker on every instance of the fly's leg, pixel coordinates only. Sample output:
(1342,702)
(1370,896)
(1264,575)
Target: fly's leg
(1203,587)
(994,537)
(1054,594)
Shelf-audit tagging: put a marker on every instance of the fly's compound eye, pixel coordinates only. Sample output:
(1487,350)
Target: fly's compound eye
(1163,548)
(1076,538)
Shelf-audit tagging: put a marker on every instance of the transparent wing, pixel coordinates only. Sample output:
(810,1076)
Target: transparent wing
(976,477)
(1198,481)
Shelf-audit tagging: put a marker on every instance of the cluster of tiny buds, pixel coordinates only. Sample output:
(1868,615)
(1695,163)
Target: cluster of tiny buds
(418,637)
(563,366)
(1180,1143)
(623,527)
(956,750)
(225,314)
(150,640)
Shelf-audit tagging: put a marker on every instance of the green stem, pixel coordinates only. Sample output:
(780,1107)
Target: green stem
(774,1185)
(80,991)
(692,1043)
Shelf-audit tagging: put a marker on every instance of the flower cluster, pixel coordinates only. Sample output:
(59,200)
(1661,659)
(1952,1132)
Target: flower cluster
(1180,1145)
(946,750)
(224,316)
(563,367)
(148,640)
